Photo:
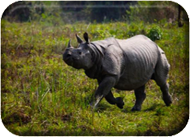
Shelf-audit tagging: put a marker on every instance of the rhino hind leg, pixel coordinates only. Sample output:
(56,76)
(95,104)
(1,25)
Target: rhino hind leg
(165,94)
(160,76)
(164,86)
(112,100)
(140,97)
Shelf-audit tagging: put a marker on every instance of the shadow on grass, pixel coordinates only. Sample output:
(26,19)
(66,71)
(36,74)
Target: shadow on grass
(127,110)
(103,107)
(154,107)
(151,108)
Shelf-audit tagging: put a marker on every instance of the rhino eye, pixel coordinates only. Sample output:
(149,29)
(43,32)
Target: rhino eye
(79,52)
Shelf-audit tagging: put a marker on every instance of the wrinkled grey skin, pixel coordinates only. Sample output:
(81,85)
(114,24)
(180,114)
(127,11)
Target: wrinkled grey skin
(123,64)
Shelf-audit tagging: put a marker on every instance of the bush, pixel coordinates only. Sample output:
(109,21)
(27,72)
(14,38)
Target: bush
(155,33)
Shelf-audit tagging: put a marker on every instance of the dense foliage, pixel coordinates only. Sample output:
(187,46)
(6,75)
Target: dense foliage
(94,11)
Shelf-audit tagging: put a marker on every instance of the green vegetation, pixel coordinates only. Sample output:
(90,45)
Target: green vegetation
(41,95)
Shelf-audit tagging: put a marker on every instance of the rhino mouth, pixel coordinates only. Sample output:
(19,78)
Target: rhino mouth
(69,61)
(72,62)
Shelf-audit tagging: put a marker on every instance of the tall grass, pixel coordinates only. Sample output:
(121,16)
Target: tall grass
(41,95)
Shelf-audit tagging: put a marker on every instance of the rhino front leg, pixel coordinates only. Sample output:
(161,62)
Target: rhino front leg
(103,90)
(140,97)
(110,98)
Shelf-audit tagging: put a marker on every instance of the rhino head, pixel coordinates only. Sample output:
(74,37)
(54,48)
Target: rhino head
(80,57)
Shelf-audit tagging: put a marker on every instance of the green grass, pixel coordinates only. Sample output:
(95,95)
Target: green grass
(41,95)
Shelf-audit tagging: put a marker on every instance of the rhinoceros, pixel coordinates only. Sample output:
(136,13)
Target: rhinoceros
(123,64)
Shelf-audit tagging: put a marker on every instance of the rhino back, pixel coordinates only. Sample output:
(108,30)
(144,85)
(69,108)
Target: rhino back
(141,56)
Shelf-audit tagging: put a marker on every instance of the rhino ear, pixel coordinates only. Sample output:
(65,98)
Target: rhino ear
(85,35)
(79,40)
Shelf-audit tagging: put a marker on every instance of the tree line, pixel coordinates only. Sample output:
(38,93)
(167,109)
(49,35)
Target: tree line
(95,11)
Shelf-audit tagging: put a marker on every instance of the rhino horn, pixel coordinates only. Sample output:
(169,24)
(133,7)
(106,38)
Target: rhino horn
(79,40)
(69,44)
(85,35)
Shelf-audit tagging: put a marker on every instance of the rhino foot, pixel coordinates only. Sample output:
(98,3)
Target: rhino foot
(95,103)
(91,105)
(120,102)
(167,100)
(136,108)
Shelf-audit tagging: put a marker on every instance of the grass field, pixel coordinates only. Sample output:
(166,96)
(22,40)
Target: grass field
(41,95)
